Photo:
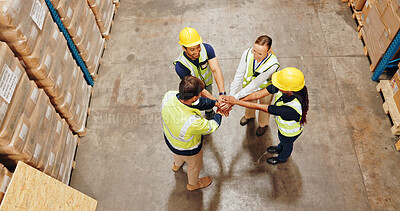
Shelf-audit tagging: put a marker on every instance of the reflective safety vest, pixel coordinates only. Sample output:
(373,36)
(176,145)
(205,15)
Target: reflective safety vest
(183,125)
(288,128)
(251,74)
(203,72)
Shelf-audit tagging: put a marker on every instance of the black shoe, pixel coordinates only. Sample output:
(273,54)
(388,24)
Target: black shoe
(244,121)
(273,150)
(261,130)
(274,160)
(210,115)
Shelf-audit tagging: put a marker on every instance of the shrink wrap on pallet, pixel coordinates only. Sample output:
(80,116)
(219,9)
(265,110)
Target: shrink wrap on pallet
(77,15)
(82,28)
(48,39)
(23,19)
(16,109)
(56,67)
(58,150)
(80,107)
(68,158)
(46,161)
(103,11)
(63,106)
(96,47)
(5,179)
(15,144)
(40,124)
(66,9)
(63,80)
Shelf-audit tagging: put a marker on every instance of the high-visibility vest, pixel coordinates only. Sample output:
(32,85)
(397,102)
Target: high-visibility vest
(183,125)
(288,128)
(250,75)
(203,72)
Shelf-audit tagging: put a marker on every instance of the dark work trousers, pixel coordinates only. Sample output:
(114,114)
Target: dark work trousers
(285,146)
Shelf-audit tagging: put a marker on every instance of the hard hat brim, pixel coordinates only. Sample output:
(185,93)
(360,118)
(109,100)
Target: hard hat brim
(276,83)
(191,44)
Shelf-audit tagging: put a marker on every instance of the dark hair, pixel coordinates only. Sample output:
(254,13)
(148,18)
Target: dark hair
(302,96)
(189,87)
(264,40)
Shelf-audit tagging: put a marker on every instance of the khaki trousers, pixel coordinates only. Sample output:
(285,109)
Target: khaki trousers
(263,117)
(195,162)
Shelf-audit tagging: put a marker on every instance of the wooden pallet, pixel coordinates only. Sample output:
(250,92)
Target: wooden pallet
(356,15)
(82,131)
(389,107)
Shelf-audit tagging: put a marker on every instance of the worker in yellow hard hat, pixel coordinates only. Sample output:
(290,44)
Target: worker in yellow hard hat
(254,73)
(290,107)
(198,59)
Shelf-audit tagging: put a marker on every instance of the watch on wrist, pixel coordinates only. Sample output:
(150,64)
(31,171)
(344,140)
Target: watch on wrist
(222,93)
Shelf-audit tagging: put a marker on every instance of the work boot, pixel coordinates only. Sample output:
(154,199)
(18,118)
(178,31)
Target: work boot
(244,121)
(261,130)
(274,160)
(176,168)
(274,150)
(202,183)
(210,114)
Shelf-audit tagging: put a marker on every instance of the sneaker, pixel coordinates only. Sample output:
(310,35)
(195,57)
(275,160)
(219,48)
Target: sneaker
(244,121)
(261,130)
(203,182)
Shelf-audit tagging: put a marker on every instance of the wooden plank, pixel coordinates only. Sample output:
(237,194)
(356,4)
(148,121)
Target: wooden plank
(31,189)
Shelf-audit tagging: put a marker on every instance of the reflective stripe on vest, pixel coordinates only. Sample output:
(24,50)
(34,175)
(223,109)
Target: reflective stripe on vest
(250,75)
(203,72)
(288,128)
(180,123)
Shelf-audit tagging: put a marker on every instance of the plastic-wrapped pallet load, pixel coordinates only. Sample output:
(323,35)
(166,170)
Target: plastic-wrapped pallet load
(103,11)
(96,49)
(21,24)
(63,106)
(65,9)
(58,150)
(68,158)
(5,178)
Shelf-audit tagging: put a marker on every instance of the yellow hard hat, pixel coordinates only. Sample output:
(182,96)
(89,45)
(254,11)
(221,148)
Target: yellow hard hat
(189,37)
(288,79)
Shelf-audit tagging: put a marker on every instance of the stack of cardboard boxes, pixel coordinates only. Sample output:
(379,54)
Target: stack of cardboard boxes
(30,129)
(103,10)
(5,179)
(381,22)
(30,31)
(81,24)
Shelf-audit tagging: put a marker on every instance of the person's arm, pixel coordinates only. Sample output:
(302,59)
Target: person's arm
(204,104)
(216,70)
(181,70)
(204,126)
(239,75)
(207,94)
(285,112)
(256,95)
(257,82)
(233,100)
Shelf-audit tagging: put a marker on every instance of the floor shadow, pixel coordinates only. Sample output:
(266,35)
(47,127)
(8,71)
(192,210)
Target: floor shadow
(182,199)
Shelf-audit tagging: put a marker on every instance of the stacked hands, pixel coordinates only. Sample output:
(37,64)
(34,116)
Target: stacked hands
(225,103)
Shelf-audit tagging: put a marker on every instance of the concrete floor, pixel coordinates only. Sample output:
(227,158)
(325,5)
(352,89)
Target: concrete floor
(344,160)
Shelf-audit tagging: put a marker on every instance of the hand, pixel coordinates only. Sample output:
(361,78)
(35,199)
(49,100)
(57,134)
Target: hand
(223,112)
(230,100)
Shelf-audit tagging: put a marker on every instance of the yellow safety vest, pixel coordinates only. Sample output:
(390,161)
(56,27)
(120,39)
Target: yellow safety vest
(270,61)
(183,125)
(288,128)
(203,72)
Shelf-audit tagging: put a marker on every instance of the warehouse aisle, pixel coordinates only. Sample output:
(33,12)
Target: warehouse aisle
(344,160)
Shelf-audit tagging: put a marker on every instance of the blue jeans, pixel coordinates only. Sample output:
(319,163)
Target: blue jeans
(285,146)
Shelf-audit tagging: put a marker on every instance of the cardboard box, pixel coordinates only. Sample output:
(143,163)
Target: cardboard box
(391,19)
(359,4)
(367,7)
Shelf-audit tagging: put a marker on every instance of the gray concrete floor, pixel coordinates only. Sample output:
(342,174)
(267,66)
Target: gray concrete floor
(344,160)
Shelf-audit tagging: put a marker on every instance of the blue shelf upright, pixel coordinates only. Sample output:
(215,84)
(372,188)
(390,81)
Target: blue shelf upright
(70,43)
(385,61)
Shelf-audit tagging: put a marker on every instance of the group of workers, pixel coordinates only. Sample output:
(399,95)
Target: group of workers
(280,93)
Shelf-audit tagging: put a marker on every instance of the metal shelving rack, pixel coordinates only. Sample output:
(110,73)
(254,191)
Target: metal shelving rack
(70,43)
(386,61)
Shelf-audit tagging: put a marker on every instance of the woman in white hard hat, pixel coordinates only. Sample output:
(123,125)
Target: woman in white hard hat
(290,107)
